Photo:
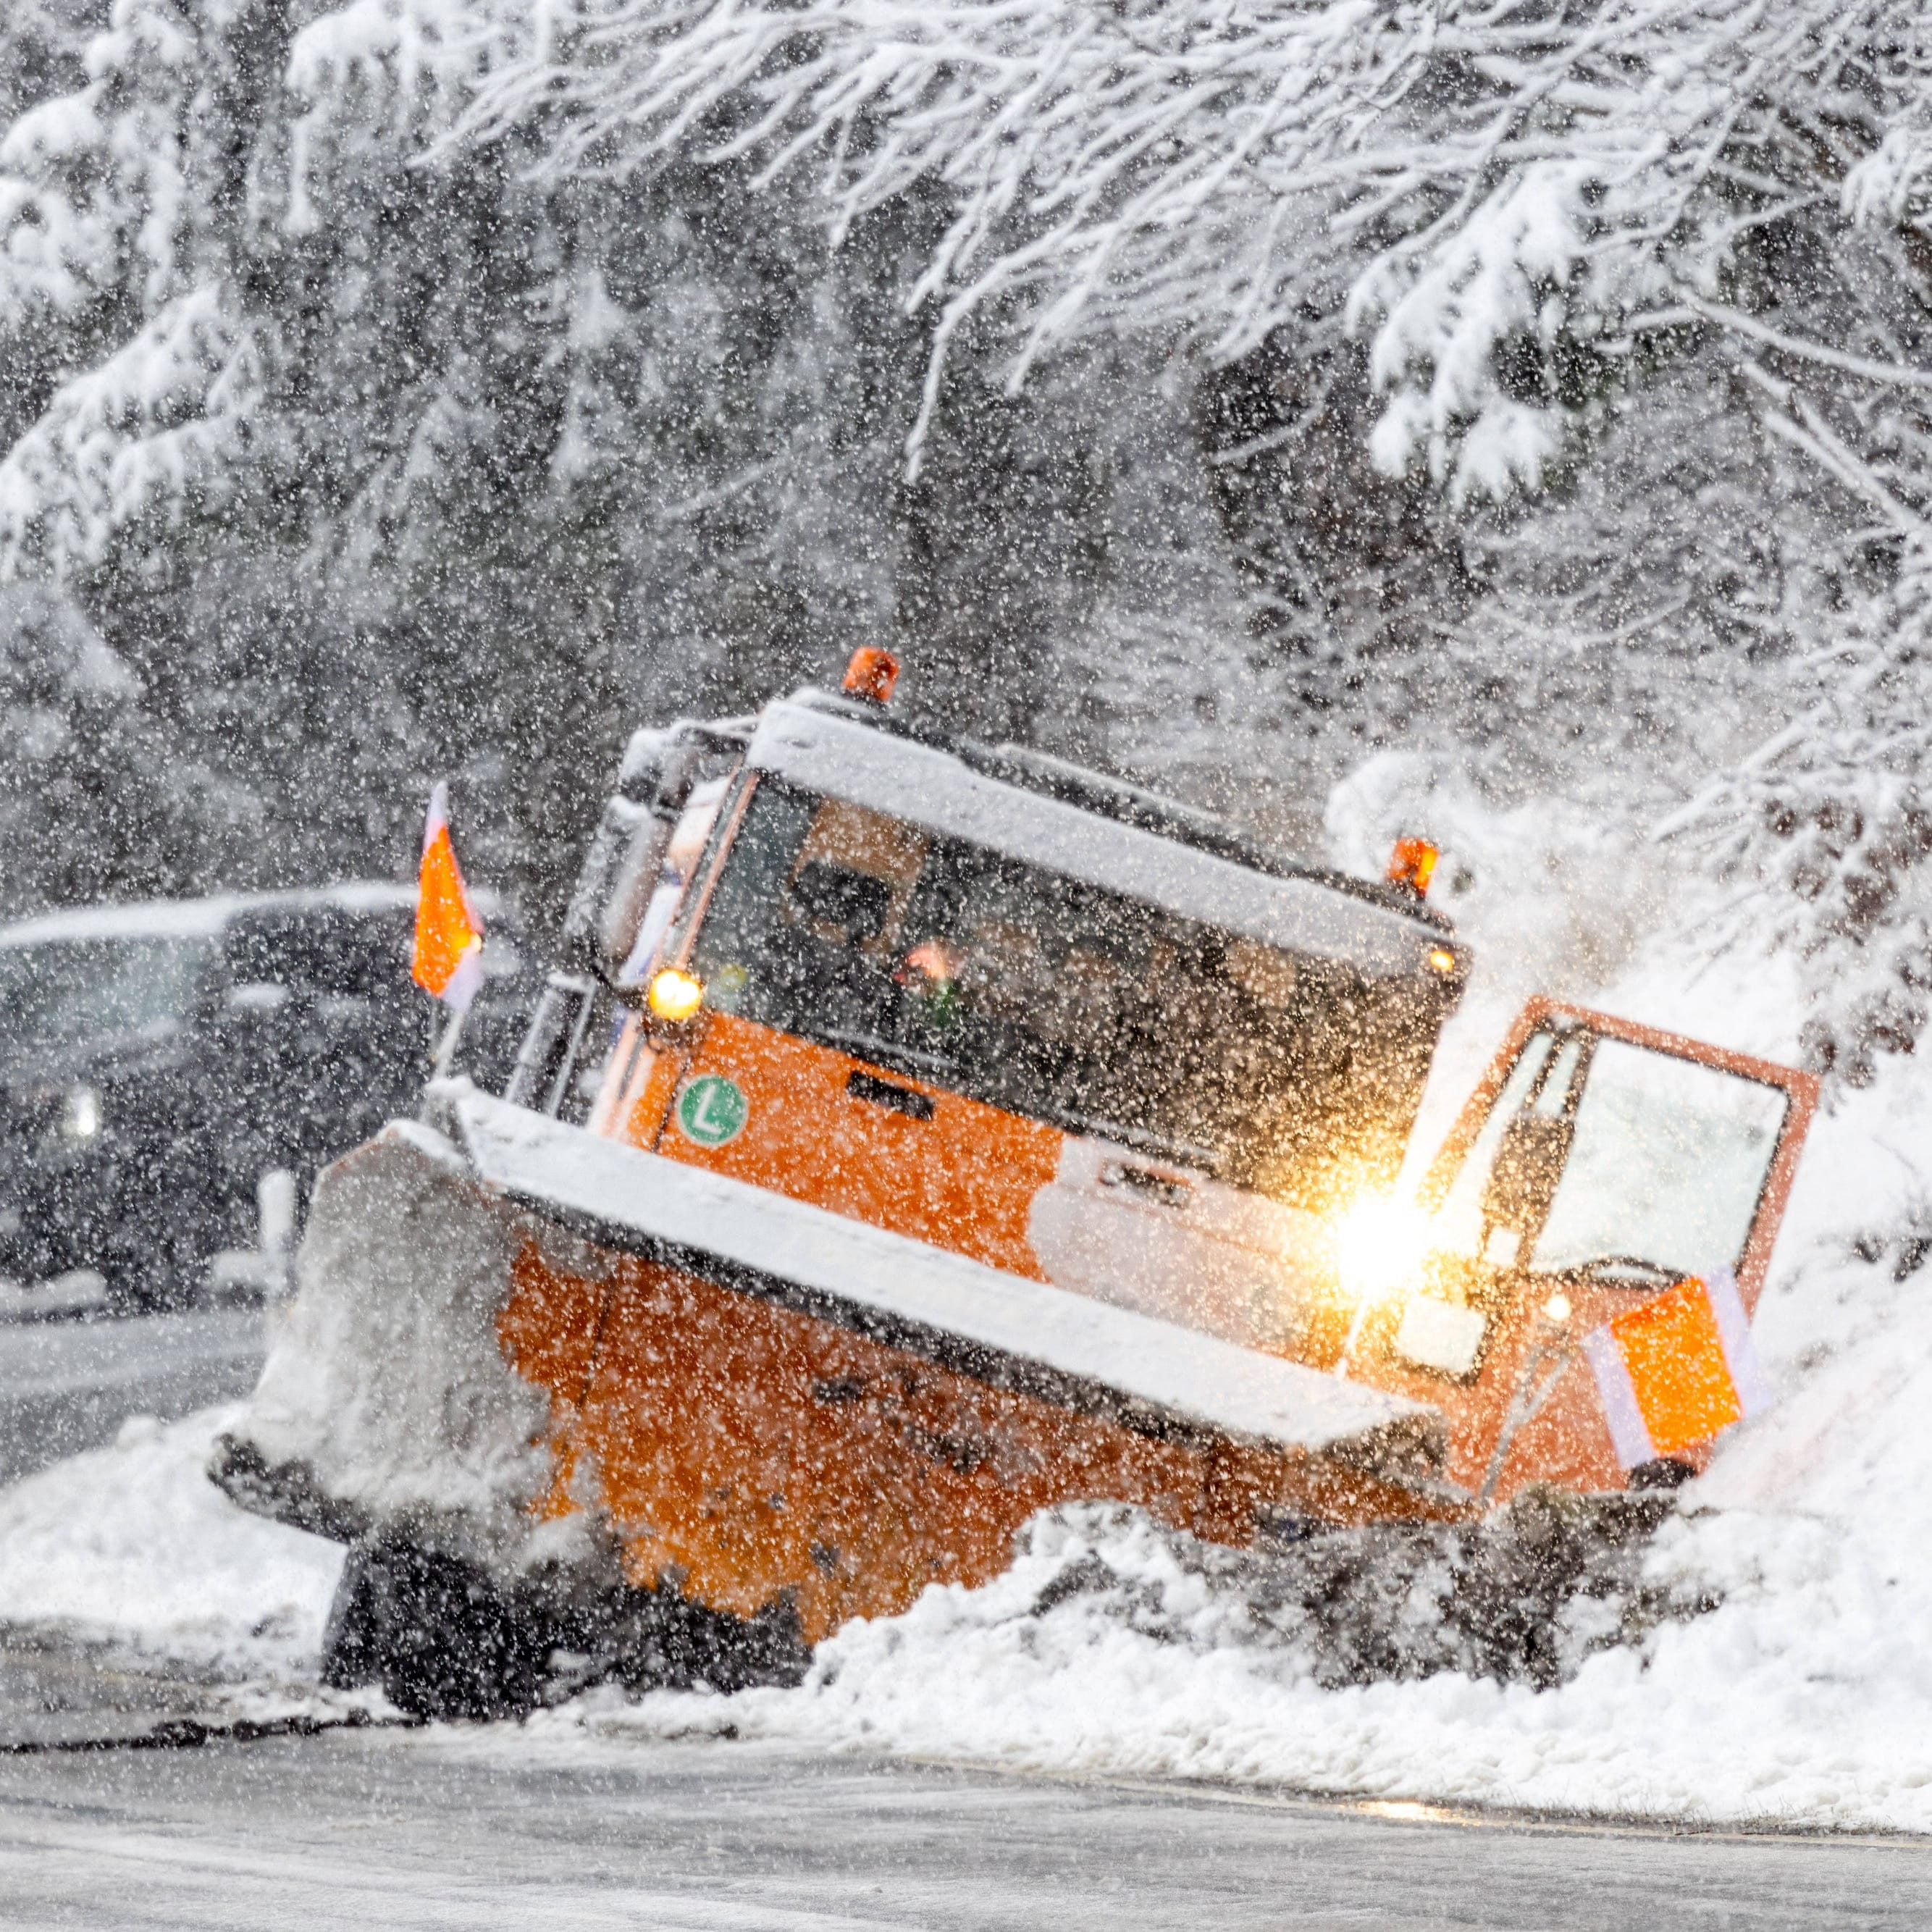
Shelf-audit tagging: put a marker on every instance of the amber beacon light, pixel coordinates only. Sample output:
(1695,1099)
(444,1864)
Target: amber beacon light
(1412,863)
(871,674)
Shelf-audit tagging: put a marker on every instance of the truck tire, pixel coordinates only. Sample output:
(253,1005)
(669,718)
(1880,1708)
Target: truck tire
(1665,1473)
(443,1641)
(436,1635)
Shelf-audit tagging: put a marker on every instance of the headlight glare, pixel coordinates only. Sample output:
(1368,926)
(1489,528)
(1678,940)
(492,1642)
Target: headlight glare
(1381,1243)
(674,996)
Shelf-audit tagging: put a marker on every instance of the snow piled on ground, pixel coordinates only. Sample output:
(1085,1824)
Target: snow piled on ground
(132,1546)
(1804,1697)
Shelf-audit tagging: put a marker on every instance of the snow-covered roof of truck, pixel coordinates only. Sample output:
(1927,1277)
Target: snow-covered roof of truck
(934,787)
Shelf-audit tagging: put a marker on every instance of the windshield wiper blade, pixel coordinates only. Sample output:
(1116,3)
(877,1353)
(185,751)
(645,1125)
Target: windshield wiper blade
(870,1046)
(951,1073)
(1183,1154)
(1598,1265)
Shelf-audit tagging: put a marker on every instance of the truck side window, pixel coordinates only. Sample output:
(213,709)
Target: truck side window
(781,939)
(1668,1161)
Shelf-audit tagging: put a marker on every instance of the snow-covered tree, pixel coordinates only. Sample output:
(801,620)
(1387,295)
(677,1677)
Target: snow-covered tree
(1517,198)
(1615,248)
(91,803)
(375,457)
(412,385)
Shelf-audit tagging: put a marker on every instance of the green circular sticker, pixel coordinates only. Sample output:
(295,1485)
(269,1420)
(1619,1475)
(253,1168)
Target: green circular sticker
(712,1110)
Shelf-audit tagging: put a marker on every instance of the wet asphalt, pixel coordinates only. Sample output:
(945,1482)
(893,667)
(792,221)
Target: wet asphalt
(68,1385)
(479,1829)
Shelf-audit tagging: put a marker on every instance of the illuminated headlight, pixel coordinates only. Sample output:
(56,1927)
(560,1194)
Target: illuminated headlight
(674,996)
(80,1115)
(1380,1245)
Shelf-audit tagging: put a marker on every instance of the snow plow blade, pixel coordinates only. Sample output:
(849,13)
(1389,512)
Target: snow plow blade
(525,1346)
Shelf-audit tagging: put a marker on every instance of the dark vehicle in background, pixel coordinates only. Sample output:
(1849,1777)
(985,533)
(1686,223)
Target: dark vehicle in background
(156,1059)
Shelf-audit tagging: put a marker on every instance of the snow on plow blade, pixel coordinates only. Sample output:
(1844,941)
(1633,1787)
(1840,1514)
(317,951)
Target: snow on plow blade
(525,1343)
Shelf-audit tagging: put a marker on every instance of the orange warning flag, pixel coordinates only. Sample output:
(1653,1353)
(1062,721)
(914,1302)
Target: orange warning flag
(1677,1369)
(449,957)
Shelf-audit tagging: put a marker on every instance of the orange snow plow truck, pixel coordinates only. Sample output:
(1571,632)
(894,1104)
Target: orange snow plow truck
(918,1134)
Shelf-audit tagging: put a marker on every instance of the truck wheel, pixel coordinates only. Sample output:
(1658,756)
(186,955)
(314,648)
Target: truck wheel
(439,1638)
(1666,1473)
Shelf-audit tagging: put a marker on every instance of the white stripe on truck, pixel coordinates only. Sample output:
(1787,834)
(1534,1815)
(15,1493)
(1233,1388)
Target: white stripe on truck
(1067,1346)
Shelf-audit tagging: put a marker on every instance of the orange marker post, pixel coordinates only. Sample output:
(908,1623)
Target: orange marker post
(447,960)
(1412,864)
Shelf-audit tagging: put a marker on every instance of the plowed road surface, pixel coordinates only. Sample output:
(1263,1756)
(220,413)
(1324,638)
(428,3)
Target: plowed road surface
(67,1386)
(393,1828)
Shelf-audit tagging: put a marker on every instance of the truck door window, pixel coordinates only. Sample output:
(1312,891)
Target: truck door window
(1651,1170)
(1666,1165)
(1460,1228)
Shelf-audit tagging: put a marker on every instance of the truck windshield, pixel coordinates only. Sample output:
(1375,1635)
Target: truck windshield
(1101,1014)
(71,992)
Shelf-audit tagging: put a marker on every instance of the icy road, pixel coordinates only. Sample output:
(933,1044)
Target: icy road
(476,1830)
(66,1386)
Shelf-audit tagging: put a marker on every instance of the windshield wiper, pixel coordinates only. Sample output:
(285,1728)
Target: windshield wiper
(1183,1153)
(950,1072)
(1605,1267)
(870,1046)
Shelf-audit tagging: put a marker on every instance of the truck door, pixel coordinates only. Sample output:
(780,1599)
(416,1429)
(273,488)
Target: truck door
(1599,1164)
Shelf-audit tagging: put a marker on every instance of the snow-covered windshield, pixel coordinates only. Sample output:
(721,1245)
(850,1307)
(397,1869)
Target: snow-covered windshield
(1100,1013)
(69,992)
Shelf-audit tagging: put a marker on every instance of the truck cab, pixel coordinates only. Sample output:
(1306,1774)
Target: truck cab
(1069,1030)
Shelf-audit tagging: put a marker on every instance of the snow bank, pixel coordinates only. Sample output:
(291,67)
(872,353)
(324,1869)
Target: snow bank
(133,1546)
(1748,1713)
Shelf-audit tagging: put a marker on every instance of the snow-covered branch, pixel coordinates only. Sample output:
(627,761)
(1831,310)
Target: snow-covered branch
(152,432)
(1497,186)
